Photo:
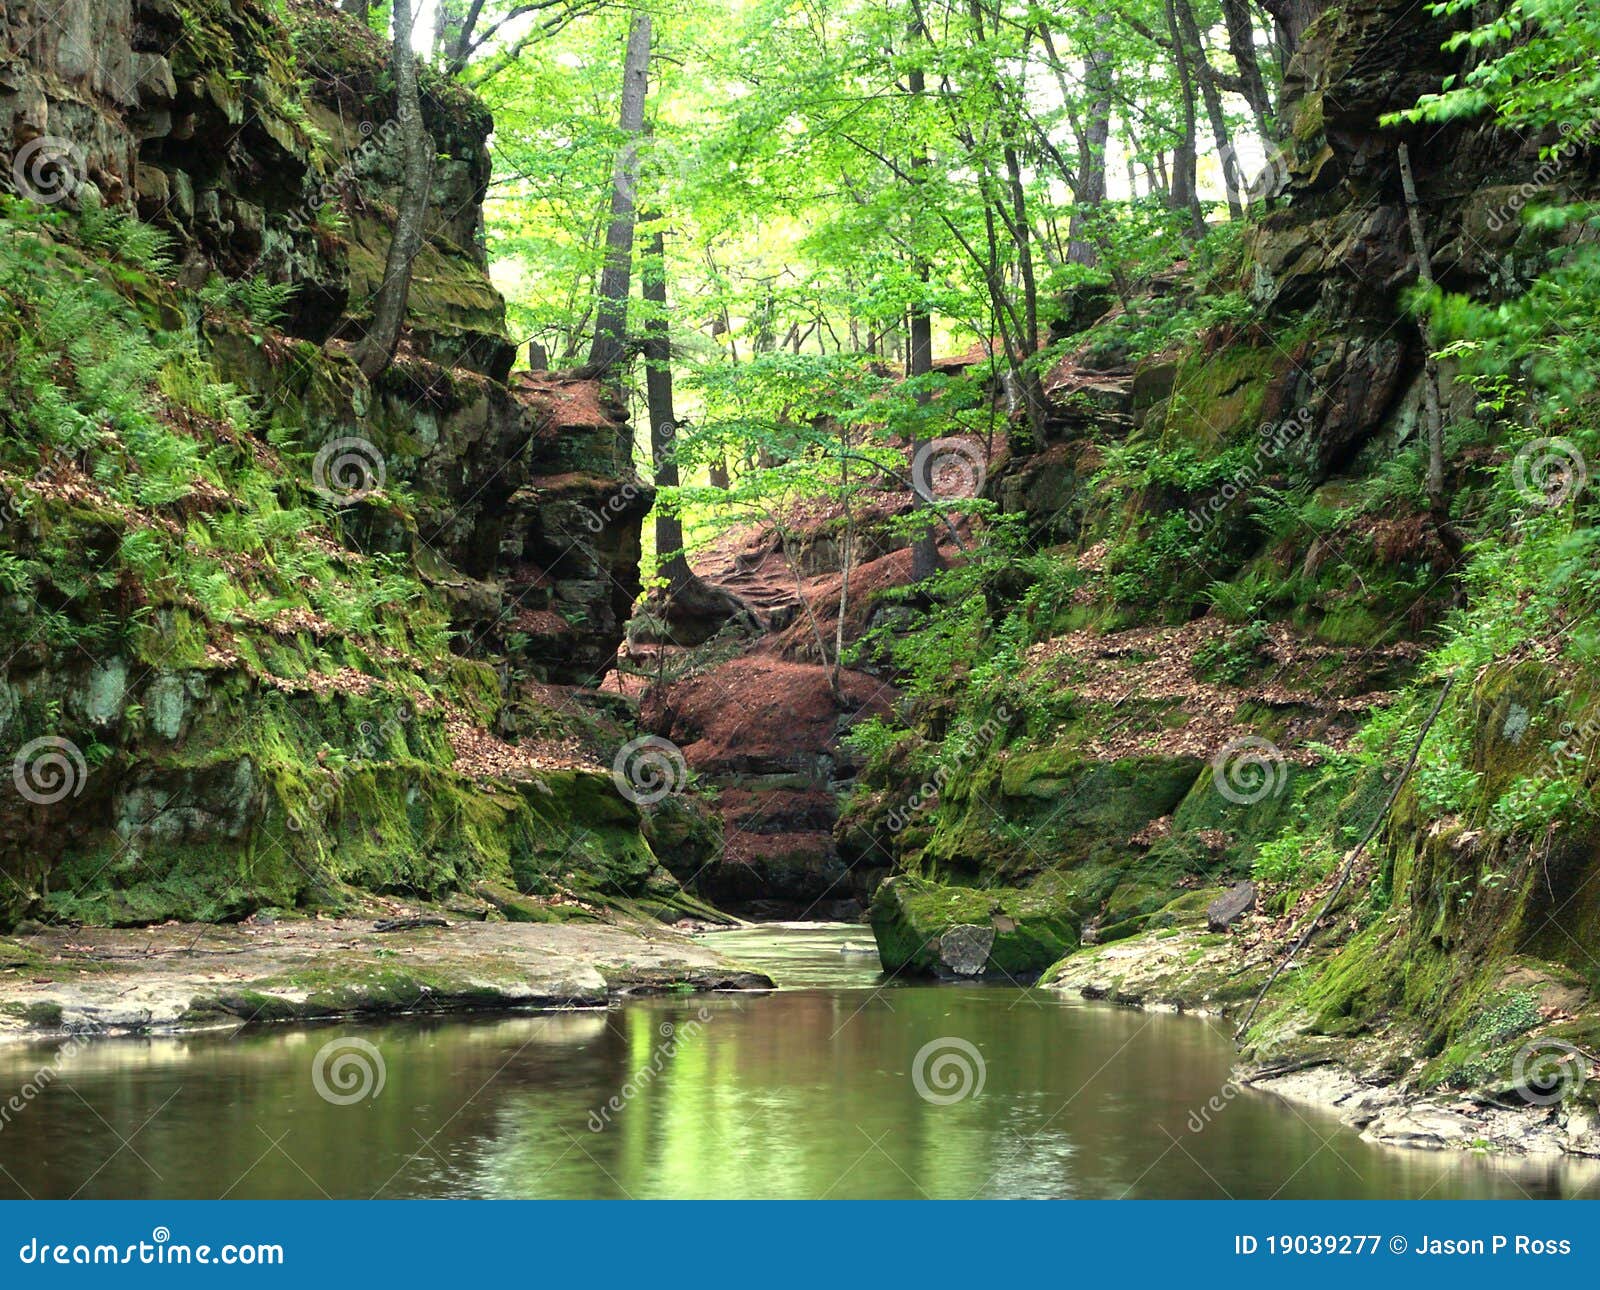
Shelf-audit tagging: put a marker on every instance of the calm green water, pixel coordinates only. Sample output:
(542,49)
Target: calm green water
(812,1091)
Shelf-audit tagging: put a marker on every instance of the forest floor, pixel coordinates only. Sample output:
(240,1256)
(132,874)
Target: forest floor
(191,976)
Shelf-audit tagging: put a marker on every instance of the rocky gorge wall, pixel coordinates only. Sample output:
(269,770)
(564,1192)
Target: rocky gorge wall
(275,635)
(1209,683)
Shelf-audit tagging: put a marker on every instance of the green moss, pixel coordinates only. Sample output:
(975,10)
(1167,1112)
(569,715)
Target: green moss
(1218,396)
(1033,927)
(44,1015)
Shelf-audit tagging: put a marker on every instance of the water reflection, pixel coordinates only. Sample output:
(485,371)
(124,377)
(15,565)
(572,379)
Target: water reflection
(806,1092)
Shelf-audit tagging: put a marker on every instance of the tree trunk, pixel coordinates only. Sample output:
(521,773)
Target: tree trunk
(671,563)
(1242,45)
(376,351)
(1438,503)
(1035,404)
(449,28)
(611,319)
(1182,194)
(846,554)
(1290,18)
(925,551)
(1212,96)
(1091,192)
(688,598)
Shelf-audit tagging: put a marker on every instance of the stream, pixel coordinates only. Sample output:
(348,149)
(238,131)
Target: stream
(814,1090)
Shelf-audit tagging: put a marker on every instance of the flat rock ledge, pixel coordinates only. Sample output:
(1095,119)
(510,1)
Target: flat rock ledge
(192,977)
(1396,1118)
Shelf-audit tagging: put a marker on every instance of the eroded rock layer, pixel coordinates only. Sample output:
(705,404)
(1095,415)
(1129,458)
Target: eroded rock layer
(287,633)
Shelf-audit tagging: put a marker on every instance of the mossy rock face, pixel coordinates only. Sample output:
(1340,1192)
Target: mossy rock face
(1218,397)
(258,683)
(289,800)
(1050,808)
(1032,927)
(683,833)
(451,303)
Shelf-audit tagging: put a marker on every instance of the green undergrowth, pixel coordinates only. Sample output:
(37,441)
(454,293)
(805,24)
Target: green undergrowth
(257,690)
(984,780)
(140,488)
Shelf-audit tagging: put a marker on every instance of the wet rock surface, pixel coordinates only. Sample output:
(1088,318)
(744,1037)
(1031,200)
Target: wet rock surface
(185,977)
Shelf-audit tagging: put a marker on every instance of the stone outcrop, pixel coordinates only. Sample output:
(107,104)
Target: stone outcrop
(224,759)
(764,733)
(1103,804)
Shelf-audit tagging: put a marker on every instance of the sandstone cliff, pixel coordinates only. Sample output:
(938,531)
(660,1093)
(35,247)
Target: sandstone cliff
(273,634)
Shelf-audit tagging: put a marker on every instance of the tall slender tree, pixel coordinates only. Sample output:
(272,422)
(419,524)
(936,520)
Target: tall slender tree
(376,351)
(688,598)
(919,339)
(611,318)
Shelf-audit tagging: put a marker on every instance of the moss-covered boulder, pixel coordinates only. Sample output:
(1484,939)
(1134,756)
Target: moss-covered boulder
(913,921)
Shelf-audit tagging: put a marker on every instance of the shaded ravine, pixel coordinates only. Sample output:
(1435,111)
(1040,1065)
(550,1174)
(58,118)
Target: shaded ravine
(811,1091)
